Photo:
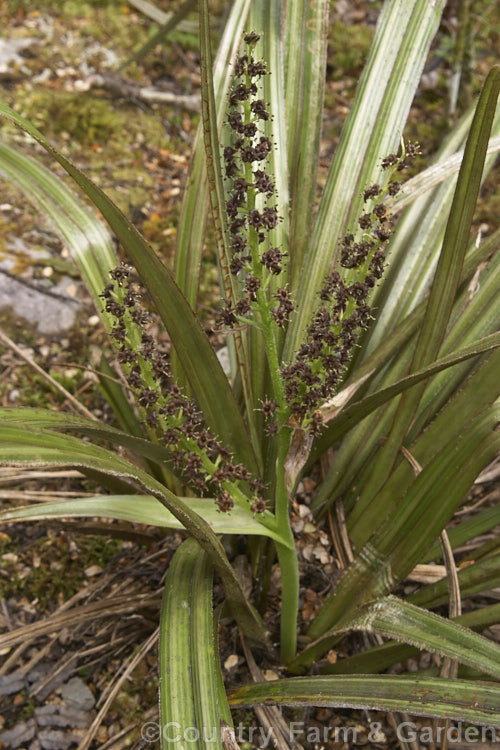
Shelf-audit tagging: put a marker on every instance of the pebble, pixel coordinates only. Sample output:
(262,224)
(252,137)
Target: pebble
(76,694)
(231,662)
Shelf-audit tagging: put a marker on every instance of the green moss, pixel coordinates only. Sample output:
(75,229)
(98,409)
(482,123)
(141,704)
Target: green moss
(28,709)
(349,47)
(17,328)
(185,40)
(85,117)
(135,693)
(59,573)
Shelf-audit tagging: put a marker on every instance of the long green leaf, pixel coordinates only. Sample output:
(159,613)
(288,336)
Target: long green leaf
(177,707)
(479,523)
(86,237)
(448,271)
(480,390)
(306,37)
(477,702)
(142,509)
(481,576)
(188,679)
(45,418)
(381,657)
(207,379)
(405,622)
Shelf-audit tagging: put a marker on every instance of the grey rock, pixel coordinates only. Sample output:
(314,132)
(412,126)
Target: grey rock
(45,685)
(50,315)
(12,683)
(10,49)
(54,739)
(77,694)
(18,735)
(53,715)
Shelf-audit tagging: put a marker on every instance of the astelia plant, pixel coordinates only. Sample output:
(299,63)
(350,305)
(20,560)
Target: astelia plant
(355,340)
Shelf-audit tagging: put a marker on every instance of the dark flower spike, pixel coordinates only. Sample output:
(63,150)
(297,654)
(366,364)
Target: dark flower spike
(251,218)
(167,412)
(331,336)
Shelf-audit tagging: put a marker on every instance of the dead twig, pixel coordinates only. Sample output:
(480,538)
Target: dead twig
(128,90)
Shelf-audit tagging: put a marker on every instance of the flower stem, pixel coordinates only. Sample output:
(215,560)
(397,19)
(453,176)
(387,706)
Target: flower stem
(287,556)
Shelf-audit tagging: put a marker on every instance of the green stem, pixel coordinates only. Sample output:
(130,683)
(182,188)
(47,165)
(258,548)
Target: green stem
(287,557)
(289,600)
(268,328)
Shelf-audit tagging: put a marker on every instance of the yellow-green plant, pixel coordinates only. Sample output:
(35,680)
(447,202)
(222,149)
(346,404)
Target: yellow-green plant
(342,334)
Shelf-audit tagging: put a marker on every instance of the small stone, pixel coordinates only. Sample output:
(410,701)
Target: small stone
(332,656)
(93,570)
(102,734)
(270,674)
(231,662)
(307,552)
(378,736)
(223,357)
(309,485)
(93,320)
(47,272)
(304,511)
(77,694)
(10,557)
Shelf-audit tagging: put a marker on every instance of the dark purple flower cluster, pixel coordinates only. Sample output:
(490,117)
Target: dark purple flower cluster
(412,150)
(320,362)
(245,164)
(175,419)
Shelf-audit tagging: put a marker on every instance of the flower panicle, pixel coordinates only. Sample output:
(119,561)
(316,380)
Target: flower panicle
(344,309)
(175,420)
(252,214)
